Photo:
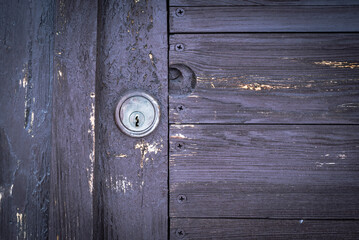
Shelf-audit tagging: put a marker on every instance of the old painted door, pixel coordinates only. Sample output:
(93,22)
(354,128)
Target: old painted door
(67,171)
(258,136)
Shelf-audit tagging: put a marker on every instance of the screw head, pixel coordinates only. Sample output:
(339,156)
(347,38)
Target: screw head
(179,146)
(180,108)
(179,12)
(181,198)
(180,233)
(179,47)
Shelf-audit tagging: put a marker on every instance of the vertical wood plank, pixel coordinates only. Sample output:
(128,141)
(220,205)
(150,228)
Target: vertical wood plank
(73,120)
(25,118)
(131,173)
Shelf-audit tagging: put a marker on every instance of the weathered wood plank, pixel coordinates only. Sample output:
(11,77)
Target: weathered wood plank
(193,3)
(73,120)
(25,118)
(131,174)
(268,78)
(265,171)
(265,19)
(263,229)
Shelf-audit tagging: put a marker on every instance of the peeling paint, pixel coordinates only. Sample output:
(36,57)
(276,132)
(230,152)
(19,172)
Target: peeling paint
(342,156)
(92,151)
(148,148)
(259,87)
(336,64)
(11,188)
(121,155)
(120,185)
(321,164)
(179,136)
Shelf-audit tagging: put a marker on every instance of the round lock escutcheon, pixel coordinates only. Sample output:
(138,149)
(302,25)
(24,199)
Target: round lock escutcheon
(137,114)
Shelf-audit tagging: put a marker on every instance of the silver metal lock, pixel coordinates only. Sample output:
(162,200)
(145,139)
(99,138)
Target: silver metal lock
(137,114)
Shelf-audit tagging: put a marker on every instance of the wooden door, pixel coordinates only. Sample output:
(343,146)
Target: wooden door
(258,136)
(67,171)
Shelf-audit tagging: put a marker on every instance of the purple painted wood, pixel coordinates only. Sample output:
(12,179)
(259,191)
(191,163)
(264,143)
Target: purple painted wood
(268,78)
(265,19)
(193,3)
(263,229)
(264,171)
(131,173)
(73,120)
(26,43)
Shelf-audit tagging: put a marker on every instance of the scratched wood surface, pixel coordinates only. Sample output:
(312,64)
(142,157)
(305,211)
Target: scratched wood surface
(264,171)
(194,3)
(265,19)
(268,78)
(25,114)
(72,166)
(263,229)
(131,173)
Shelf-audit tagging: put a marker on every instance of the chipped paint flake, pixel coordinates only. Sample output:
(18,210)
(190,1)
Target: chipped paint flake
(148,148)
(336,64)
(120,184)
(92,151)
(121,155)
(342,156)
(260,87)
(60,73)
(179,136)
(11,188)
(321,164)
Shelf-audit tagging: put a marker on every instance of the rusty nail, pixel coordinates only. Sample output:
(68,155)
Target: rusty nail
(181,198)
(180,233)
(179,12)
(179,47)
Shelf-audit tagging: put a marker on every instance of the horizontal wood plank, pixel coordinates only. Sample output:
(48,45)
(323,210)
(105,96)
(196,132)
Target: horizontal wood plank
(270,171)
(263,229)
(265,19)
(268,78)
(193,3)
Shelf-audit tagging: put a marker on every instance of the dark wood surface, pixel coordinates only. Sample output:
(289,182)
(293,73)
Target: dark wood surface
(73,120)
(265,171)
(131,173)
(265,19)
(25,118)
(194,3)
(263,229)
(268,78)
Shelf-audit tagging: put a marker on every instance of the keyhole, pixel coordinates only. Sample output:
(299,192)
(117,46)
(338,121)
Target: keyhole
(137,124)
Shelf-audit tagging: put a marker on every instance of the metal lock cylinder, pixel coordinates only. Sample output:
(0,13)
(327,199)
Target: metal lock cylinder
(137,114)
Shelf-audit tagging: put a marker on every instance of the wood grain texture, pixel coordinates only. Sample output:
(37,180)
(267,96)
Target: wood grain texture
(194,3)
(268,78)
(73,120)
(266,19)
(25,118)
(131,173)
(265,171)
(264,229)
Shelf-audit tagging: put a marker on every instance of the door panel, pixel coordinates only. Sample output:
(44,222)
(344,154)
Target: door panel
(264,229)
(268,78)
(266,19)
(131,173)
(261,2)
(268,171)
